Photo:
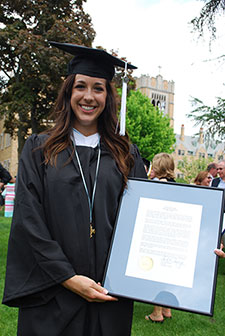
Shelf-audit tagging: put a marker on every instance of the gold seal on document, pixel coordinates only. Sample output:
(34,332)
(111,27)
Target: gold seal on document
(145,263)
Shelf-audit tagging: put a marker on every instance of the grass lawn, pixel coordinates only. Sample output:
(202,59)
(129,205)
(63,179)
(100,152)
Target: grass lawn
(182,323)
(8,316)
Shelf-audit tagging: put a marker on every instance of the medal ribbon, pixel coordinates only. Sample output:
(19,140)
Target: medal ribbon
(90,200)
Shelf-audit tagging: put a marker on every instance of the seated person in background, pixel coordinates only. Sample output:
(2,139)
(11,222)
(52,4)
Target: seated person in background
(203,178)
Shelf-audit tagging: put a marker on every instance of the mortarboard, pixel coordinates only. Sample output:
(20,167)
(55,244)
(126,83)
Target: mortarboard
(90,61)
(96,63)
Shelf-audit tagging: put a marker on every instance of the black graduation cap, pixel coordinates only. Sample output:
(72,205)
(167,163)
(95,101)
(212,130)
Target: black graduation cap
(90,61)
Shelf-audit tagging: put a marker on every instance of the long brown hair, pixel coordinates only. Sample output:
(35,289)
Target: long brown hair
(60,134)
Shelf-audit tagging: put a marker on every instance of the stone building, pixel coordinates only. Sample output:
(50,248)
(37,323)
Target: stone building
(196,147)
(159,91)
(8,151)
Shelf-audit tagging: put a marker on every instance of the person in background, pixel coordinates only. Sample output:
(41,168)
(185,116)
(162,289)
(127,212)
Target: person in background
(5,176)
(70,181)
(163,167)
(203,178)
(212,169)
(220,181)
(147,165)
(152,175)
(9,195)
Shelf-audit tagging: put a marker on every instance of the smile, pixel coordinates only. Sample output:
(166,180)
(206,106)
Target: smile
(87,108)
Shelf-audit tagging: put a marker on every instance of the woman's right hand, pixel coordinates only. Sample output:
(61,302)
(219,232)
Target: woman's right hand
(88,289)
(220,253)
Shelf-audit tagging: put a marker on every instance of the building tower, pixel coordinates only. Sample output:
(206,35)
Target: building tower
(160,92)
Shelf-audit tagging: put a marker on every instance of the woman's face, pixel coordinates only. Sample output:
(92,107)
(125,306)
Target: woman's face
(152,174)
(88,100)
(206,181)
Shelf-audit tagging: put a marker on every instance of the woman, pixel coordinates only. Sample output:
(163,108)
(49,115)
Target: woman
(203,178)
(69,185)
(163,167)
(163,170)
(9,195)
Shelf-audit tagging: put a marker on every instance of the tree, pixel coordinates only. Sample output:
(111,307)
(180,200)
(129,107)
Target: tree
(147,127)
(191,167)
(207,17)
(212,119)
(32,71)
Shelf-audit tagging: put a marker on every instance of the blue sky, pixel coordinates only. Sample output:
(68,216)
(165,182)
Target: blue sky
(153,33)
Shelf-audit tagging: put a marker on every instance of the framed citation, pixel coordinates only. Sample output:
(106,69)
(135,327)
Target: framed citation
(162,250)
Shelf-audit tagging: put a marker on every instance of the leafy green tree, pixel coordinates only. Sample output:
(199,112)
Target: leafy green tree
(32,71)
(190,167)
(212,119)
(148,128)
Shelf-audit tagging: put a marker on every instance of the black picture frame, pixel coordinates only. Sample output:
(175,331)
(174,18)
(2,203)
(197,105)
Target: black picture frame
(170,282)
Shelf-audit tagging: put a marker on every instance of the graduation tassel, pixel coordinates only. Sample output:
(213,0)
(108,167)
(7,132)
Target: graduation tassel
(123,103)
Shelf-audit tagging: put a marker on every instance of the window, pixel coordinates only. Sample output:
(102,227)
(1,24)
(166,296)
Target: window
(190,153)
(201,155)
(181,163)
(210,155)
(179,175)
(6,164)
(220,157)
(7,140)
(181,152)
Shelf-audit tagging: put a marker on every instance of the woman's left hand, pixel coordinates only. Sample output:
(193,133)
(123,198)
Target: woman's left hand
(88,289)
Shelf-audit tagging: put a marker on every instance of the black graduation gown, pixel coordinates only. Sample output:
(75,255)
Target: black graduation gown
(49,243)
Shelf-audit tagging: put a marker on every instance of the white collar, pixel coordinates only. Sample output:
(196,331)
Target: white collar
(88,141)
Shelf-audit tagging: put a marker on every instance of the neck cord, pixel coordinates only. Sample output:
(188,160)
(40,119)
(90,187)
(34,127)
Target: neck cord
(90,200)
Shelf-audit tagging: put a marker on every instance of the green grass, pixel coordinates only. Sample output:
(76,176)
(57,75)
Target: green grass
(182,323)
(8,316)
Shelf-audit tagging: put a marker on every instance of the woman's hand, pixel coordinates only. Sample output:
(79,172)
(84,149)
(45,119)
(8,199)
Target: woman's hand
(88,289)
(220,253)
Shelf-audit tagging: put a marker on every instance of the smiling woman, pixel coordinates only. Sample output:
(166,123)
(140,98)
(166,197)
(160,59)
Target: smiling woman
(88,102)
(70,181)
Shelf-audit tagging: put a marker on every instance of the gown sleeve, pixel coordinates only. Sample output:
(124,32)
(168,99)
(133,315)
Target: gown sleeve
(138,169)
(36,264)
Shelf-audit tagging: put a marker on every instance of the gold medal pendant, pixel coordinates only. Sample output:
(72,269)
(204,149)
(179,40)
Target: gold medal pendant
(92,231)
